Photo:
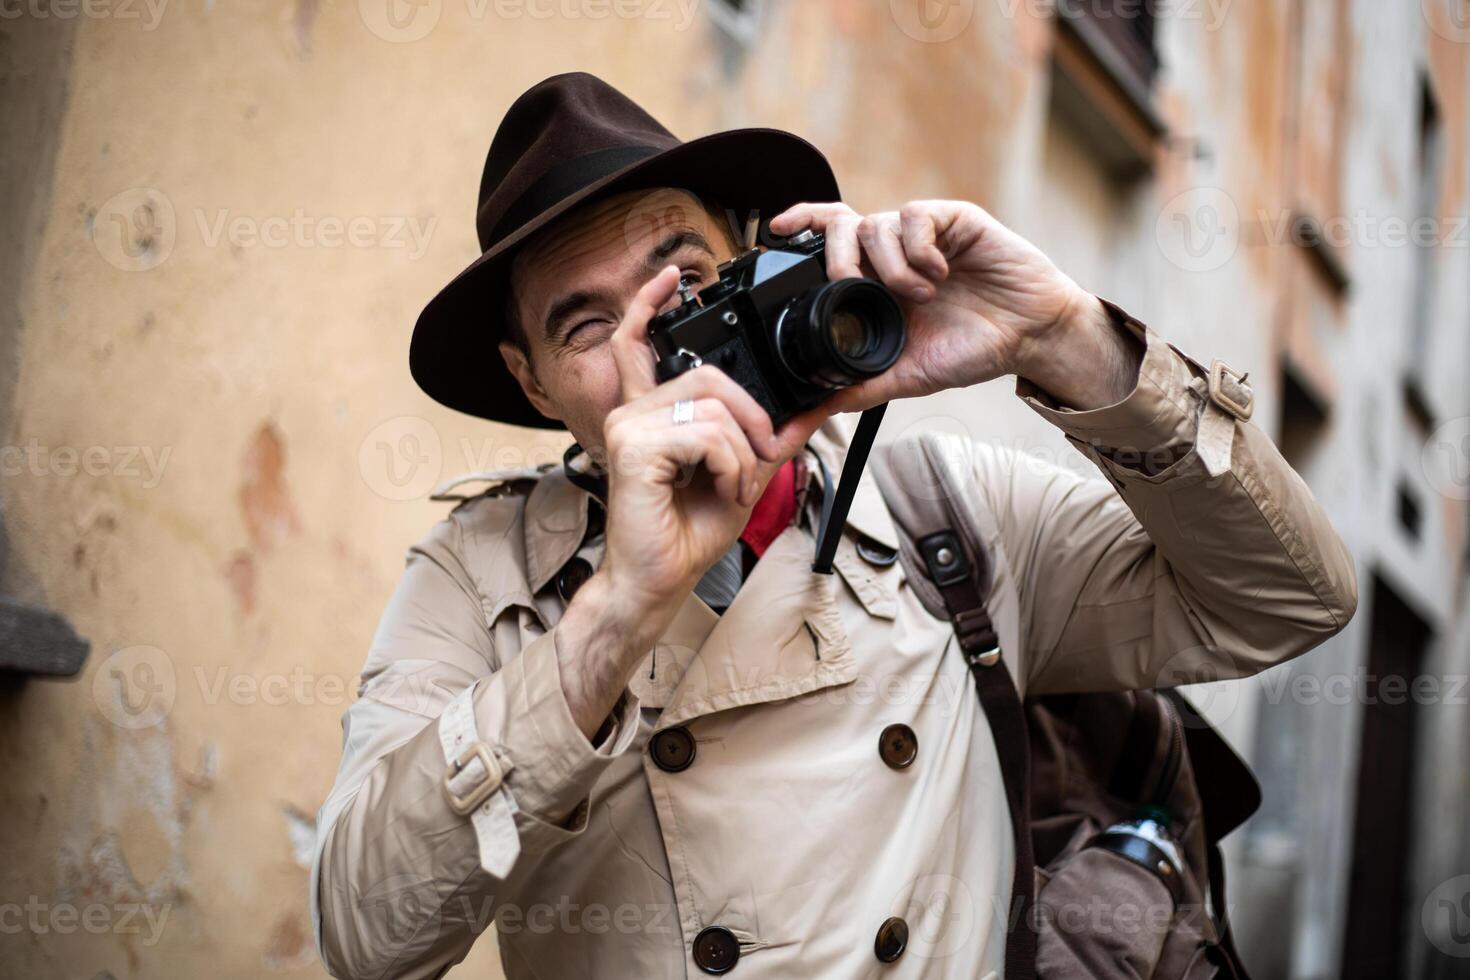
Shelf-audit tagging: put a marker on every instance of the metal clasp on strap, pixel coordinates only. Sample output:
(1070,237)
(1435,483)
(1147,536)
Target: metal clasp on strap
(984,658)
(1230,392)
(466,803)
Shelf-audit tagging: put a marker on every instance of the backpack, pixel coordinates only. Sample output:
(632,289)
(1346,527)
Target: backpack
(1110,818)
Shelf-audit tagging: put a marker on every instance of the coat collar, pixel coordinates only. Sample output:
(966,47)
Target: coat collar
(869,514)
(555,523)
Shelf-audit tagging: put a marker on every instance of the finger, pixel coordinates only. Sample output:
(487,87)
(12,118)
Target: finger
(864,395)
(793,434)
(708,381)
(632,353)
(747,482)
(879,236)
(918,236)
(817,217)
(716,412)
(715,446)
(721,415)
(844,253)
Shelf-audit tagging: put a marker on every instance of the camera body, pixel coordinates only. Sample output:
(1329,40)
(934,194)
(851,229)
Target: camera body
(776,324)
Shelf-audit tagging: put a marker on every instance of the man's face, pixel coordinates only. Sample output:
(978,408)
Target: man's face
(573,280)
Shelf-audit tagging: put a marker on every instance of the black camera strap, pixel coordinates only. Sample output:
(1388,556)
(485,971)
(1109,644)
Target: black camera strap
(836,502)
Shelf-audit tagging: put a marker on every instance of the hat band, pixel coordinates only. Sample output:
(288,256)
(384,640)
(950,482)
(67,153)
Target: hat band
(564,180)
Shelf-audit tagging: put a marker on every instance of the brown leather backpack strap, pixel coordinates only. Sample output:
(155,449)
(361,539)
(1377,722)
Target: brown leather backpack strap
(960,583)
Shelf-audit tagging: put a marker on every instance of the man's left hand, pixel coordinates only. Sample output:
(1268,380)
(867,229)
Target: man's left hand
(981,302)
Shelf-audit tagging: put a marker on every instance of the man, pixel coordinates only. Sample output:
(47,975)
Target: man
(615,712)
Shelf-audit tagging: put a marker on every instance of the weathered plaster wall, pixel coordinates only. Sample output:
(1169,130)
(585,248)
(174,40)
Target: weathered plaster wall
(228,457)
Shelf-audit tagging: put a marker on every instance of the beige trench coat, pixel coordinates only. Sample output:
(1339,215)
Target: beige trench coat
(788,828)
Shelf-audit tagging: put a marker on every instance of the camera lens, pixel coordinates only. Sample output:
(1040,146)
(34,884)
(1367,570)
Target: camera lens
(841,333)
(850,335)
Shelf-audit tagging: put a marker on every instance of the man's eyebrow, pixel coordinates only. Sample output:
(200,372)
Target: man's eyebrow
(671,243)
(566,306)
(563,309)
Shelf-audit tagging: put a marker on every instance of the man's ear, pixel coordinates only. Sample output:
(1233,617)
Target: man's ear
(520,366)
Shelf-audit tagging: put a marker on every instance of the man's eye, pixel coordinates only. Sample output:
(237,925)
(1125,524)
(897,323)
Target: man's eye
(691,279)
(585,323)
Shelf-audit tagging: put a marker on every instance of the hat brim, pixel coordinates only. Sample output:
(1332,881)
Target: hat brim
(454,354)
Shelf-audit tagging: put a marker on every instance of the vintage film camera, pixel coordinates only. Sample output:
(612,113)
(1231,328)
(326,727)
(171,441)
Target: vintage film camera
(778,326)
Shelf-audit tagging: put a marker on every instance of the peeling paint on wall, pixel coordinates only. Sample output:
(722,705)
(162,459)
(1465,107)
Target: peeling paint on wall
(265,500)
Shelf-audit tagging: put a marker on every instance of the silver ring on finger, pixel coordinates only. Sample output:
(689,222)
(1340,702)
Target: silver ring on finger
(683,411)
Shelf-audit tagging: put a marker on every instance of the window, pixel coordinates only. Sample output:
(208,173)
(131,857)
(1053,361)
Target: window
(1431,166)
(1103,67)
(1120,34)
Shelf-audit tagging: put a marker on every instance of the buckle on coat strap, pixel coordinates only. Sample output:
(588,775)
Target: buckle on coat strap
(462,800)
(1230,392)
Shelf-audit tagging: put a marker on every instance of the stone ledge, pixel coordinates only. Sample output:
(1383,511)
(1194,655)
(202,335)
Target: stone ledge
(37,641)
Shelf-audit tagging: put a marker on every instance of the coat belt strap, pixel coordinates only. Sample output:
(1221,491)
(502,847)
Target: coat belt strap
(474,784)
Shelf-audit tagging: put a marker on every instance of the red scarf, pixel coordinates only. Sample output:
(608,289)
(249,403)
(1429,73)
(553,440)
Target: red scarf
(774,511)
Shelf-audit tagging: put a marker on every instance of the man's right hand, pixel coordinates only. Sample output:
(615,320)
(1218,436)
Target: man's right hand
(664,530)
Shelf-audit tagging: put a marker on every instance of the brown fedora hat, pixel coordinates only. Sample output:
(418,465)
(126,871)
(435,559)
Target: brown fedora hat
(565,142)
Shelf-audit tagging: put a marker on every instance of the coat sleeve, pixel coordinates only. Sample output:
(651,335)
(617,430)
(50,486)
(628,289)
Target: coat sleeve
(1203,556)
(397,887)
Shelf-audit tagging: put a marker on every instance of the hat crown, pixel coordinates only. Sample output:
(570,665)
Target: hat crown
(554,124)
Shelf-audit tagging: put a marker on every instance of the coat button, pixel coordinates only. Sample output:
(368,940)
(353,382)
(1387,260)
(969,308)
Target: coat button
(571,577)
(672,749)
(716,950)
(898,746)
(876,552)
(892,940)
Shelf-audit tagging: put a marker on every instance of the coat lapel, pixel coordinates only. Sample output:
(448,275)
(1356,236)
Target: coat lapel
(780,638)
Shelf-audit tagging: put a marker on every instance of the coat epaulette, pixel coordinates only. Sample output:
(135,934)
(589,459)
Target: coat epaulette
(513,480)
